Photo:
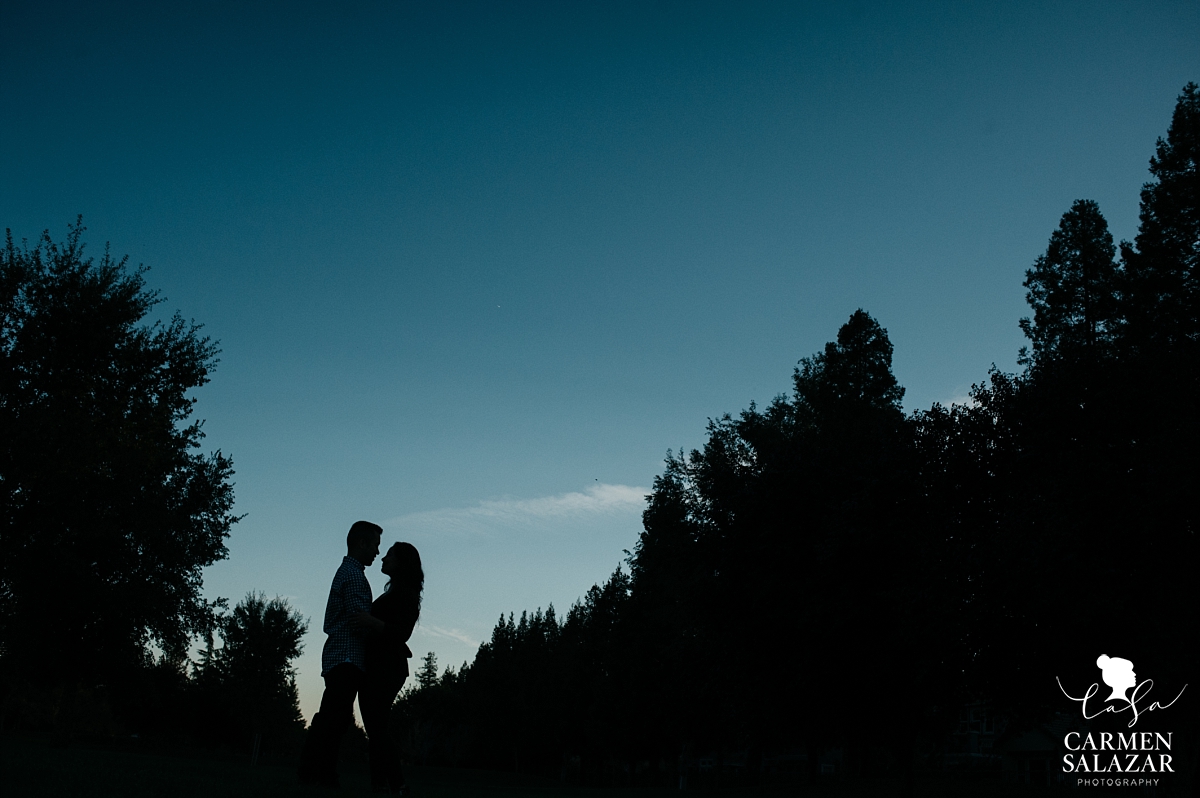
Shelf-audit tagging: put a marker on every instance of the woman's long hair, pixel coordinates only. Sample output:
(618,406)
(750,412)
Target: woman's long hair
(409,579)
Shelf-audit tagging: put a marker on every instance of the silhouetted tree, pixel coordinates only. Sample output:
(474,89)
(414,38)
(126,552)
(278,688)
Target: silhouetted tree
(851,374)
(1071,480)
(790,545)
(1163,264)
(1073,289)
(1158,406)
(433,721)
(253,673)
(427,676)
(107,512)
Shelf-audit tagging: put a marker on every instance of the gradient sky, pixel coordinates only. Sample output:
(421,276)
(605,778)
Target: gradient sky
(475,268)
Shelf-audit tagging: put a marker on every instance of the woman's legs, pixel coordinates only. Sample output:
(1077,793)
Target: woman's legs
(375,701)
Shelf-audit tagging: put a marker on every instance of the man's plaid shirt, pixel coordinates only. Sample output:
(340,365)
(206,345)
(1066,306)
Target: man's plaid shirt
(349,594)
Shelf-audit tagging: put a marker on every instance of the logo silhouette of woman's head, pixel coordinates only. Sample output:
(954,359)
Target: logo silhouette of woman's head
(1117,674)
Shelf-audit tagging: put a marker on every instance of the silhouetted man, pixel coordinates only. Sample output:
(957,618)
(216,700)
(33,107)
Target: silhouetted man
(343,660)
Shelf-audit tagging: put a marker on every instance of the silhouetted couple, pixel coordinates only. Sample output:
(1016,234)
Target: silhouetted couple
(366,655)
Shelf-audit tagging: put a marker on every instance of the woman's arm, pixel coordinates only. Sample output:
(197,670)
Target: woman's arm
(398,617)
(367,623)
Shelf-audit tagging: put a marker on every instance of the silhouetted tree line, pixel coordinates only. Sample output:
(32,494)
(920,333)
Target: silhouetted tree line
(827,571)
(240,696)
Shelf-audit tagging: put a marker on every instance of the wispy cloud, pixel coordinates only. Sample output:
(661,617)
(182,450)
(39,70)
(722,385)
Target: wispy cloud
(451,634)
(598,500)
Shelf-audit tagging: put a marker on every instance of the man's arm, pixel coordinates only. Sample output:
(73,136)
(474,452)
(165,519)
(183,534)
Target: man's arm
(334,608)
(357,604)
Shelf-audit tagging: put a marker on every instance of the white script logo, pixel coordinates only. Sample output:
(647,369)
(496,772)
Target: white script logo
(1118,674)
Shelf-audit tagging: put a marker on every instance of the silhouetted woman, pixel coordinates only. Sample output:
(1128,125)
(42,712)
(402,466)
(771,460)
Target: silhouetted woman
(394,615)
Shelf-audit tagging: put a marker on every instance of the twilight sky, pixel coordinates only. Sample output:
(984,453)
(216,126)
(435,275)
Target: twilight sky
(474,268)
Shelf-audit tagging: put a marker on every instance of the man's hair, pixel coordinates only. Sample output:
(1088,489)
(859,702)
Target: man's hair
(362,532)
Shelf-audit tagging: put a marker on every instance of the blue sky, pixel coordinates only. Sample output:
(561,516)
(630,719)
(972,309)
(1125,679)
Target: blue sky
(474,268)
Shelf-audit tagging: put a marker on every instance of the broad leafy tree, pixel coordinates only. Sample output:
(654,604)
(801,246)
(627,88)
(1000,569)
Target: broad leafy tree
(108,511)
(249,683)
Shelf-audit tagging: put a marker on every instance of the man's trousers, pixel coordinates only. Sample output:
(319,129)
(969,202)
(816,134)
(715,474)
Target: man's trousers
(318,760)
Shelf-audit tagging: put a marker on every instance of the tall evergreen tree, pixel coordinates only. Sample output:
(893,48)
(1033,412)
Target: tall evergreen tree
(1163,263)
(427,675)
(851,374)
(1073,289)
(780,542)
(1083,461)
(1161,382)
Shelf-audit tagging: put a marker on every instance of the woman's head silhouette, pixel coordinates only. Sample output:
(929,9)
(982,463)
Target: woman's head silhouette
(403,564)
(1117,674)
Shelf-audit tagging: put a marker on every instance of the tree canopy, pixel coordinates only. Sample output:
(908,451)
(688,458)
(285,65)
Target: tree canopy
(1162,265)
(1073,289)
(249,683)
(109,512)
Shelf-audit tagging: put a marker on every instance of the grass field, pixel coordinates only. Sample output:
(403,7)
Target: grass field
(36,767)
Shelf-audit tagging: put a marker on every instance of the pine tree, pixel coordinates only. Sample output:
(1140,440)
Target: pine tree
(854,371)
(427,676)
(1163,265)
(1073,290)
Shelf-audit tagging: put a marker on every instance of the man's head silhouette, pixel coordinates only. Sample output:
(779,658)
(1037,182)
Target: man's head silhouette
(362,541)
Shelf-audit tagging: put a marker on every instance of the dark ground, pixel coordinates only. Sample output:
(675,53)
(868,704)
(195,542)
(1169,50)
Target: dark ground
(33,765)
